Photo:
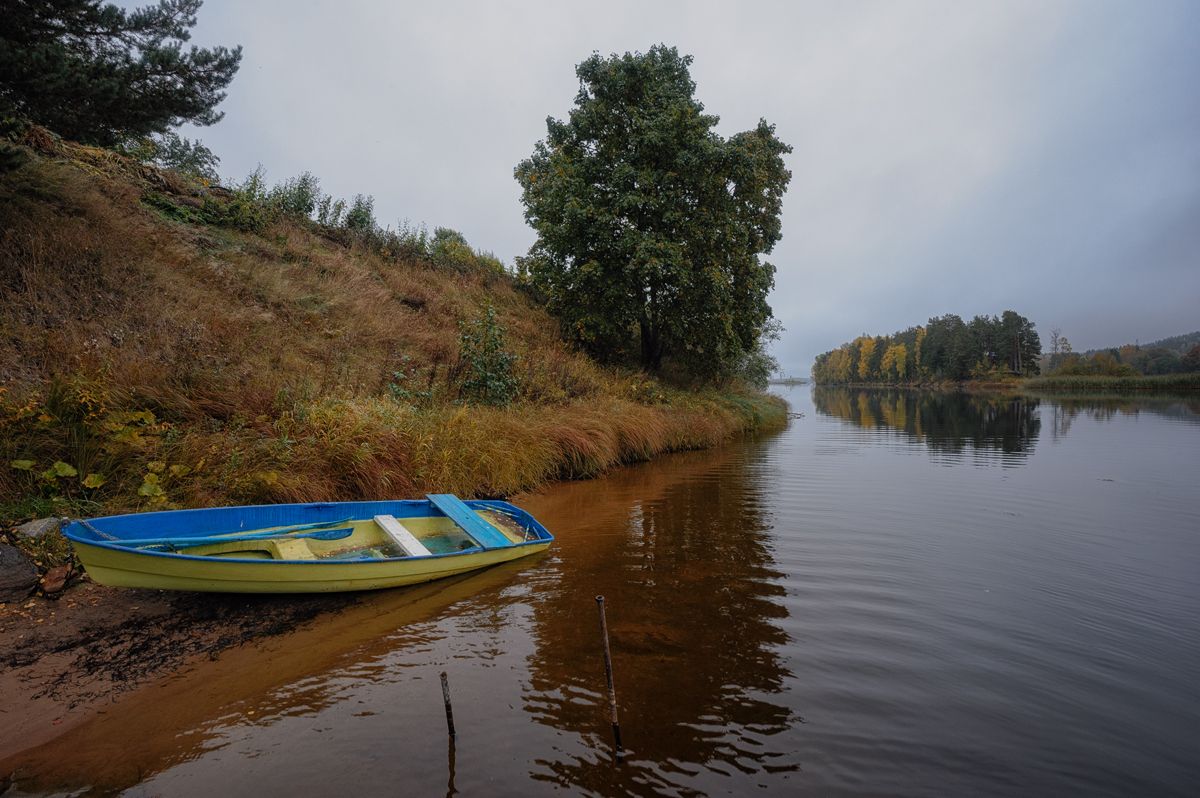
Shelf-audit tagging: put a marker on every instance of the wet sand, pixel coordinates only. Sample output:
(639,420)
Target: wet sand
(64,659)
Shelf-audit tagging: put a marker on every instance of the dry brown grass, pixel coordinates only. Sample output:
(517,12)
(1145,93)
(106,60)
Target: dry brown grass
(265,360)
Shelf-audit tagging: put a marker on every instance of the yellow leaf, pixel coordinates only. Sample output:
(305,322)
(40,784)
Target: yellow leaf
(94,480)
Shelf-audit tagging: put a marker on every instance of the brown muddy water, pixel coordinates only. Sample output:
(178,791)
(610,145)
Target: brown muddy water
(902,593)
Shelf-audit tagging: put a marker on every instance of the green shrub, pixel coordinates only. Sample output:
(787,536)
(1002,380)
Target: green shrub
(12,157)
(402,385)
(251,206)
(330,211)
(361,216)
(489,377)
(247,207)
(407,241)
(240,211)
(297,196)
(449,248)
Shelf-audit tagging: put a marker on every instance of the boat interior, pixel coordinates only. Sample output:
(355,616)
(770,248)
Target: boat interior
(381,537)
(378,538)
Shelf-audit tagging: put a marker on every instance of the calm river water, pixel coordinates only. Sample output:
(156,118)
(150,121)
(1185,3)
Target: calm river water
(902,594)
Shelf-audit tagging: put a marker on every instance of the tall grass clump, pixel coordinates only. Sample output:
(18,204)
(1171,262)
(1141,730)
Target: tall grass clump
(1123,384)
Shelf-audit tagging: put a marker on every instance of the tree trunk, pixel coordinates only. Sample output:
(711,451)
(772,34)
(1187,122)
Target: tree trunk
(651,346)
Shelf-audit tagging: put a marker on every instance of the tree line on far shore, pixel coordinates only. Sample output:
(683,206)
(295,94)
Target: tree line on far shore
(1177,355)
(946,348)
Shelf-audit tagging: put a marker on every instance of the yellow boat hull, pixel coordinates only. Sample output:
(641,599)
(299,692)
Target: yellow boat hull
(305,548)
(116,568)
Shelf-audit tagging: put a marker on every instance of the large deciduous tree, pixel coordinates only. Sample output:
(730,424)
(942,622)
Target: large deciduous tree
(650,225)
(100,74)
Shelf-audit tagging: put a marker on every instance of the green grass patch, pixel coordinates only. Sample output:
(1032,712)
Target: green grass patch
(28,508)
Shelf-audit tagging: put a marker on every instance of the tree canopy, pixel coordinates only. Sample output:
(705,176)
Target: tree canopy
(101,75)
(649,223)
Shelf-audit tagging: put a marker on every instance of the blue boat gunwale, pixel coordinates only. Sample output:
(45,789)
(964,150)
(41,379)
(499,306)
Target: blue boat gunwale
(147,519)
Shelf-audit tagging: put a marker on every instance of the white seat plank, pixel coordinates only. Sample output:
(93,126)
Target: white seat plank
(406,540)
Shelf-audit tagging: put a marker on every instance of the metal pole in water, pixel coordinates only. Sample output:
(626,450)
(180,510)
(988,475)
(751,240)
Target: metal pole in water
(446,701)
(608,673)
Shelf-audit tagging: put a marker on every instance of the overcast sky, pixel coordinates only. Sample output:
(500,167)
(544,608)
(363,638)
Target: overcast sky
(950,157)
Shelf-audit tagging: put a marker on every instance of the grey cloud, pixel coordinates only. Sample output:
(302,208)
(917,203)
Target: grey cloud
(949,157)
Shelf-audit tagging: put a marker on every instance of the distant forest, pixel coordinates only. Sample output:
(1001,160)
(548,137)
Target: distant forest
(1175,355)
(945,348)
(1176,343)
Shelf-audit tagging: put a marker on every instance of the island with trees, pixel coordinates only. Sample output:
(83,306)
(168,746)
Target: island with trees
(944,349)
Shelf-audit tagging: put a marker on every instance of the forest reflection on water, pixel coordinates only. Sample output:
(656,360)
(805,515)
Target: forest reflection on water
(947,422)
(952,422)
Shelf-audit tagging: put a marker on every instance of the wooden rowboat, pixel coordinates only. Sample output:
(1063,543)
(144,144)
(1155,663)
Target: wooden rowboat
(305,548)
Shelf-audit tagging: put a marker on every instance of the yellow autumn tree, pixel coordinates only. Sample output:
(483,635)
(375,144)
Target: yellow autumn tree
(887,363)
(840,364)
(900,361)
(866,351)
(894,362)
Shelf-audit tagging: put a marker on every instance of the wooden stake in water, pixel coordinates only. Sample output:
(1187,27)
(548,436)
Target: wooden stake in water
(446,700)
(608,673)
(451,790)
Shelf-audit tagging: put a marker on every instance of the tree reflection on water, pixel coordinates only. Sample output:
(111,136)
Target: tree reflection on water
(1065,410)
(695,605)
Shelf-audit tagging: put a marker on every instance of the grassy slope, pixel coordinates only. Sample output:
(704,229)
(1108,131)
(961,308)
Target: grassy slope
(188,364)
